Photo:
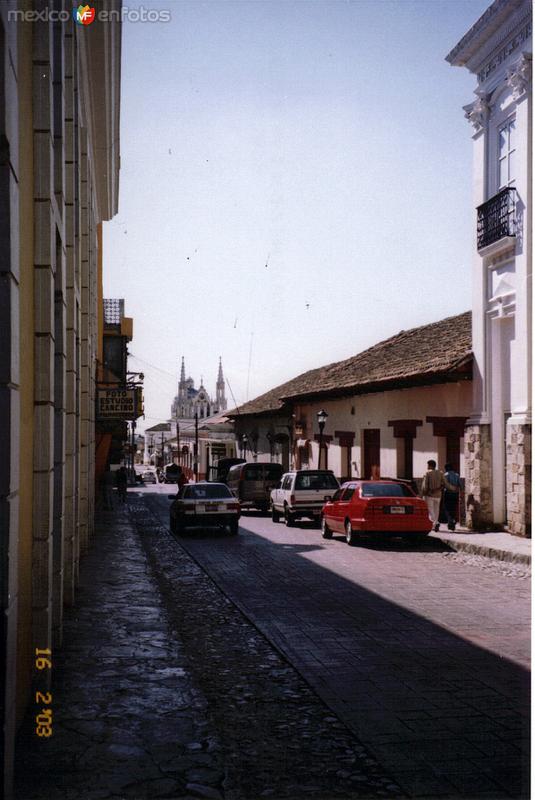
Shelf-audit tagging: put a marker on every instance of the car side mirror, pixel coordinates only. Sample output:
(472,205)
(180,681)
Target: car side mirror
(328,498)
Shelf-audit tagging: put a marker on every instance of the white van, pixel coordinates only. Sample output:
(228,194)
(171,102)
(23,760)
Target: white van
(302,493)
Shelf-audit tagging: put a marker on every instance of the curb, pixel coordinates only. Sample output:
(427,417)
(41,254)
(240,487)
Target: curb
(487,551)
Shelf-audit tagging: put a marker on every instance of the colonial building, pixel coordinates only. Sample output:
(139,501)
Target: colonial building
(389,408)
(497,51)
(59,177)
(191,401)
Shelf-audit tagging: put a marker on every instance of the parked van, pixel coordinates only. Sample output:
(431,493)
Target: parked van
(219,472)
(252,483)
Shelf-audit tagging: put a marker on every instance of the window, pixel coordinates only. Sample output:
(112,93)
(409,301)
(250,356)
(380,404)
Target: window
(253,473)
(348,494)
(272,472)
(316,480)
(207,492)
(385,490)
(506,154)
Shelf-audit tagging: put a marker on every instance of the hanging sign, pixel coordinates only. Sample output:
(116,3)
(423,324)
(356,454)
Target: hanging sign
(117,404)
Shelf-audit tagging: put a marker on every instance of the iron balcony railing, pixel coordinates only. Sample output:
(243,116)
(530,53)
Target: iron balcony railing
(496,218)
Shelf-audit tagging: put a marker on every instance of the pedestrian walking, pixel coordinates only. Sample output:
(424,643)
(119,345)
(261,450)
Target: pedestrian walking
(451,495)
(122,482)
(181,479)
(432,486)
(108,482)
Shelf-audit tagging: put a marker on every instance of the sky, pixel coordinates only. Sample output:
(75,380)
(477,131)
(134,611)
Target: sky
(295,185)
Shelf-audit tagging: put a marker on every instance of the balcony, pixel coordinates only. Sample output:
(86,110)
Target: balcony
(496,220)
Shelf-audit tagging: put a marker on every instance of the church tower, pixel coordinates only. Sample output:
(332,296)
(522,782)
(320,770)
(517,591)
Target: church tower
(182,382)
(220,399)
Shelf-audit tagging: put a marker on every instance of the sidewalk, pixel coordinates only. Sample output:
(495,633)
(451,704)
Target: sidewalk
(163,689)
(499,546)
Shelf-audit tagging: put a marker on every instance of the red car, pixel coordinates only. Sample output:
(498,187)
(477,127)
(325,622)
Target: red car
(376,507)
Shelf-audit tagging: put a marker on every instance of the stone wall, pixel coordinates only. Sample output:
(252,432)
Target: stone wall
(518,476)
(478,472)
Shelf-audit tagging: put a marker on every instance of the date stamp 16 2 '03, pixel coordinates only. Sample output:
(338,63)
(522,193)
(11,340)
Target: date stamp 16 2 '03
(43,717)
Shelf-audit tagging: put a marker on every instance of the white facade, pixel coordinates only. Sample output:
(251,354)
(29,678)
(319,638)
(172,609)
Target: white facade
(430,416)
(497,50)
(396,430)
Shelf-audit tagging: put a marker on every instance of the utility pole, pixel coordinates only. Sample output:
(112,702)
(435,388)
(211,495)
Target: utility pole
(177,439)
(162,452)
(196,449)
(133,475)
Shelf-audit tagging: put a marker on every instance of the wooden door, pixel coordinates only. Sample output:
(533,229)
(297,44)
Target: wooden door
(372,453)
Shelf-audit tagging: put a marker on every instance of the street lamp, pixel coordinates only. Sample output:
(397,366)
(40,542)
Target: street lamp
(322,419)
(244,445)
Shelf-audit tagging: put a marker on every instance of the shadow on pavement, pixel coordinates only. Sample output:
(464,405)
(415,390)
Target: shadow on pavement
(443,714)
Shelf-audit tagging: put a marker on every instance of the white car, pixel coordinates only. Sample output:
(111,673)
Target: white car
(302,493)
(204,505)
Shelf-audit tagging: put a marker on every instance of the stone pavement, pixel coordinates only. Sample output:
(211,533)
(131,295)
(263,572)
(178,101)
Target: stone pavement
(163,689)
(501,546)
(422,651)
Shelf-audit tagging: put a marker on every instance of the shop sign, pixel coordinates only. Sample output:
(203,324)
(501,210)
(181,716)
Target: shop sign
(117,404)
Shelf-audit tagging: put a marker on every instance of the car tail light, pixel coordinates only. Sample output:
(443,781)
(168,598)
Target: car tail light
(233,506)
(292,499)
(187,506)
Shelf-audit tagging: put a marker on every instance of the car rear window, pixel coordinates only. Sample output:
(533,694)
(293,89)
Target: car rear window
(272,472)
(253,473)
(316,480)
(385,490)
(209,491)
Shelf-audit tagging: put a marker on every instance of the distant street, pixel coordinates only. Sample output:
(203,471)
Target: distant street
(423,653)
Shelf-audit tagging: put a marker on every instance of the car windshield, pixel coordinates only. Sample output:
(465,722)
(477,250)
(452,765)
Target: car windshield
(208,491)
(385,490)
(316,480)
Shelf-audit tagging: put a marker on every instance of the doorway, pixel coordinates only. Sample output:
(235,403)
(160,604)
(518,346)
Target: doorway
(372,453)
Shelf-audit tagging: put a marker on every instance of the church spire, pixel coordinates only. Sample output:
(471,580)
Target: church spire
(221,400)
(183,372)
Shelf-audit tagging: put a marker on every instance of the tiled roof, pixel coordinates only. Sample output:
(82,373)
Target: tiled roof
(161,426)
(417,356)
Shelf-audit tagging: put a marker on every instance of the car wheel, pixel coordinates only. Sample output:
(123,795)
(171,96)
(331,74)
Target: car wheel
(326,532)
(289,518)
(233,528)
(172,524)
(351,536)
(275,515)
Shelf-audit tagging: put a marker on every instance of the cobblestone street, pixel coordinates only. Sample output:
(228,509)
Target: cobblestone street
(423,652)
(170,692)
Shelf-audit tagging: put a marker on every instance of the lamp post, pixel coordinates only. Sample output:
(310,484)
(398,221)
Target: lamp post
(244,446)
(196,449)
(322,419)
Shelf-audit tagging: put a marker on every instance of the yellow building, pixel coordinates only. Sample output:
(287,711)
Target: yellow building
(59,172)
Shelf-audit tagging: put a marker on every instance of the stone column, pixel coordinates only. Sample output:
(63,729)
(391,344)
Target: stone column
(44,278)
(518,472)
(59,334)
(71,333)
(85,343)
(9,391)
(478,476)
